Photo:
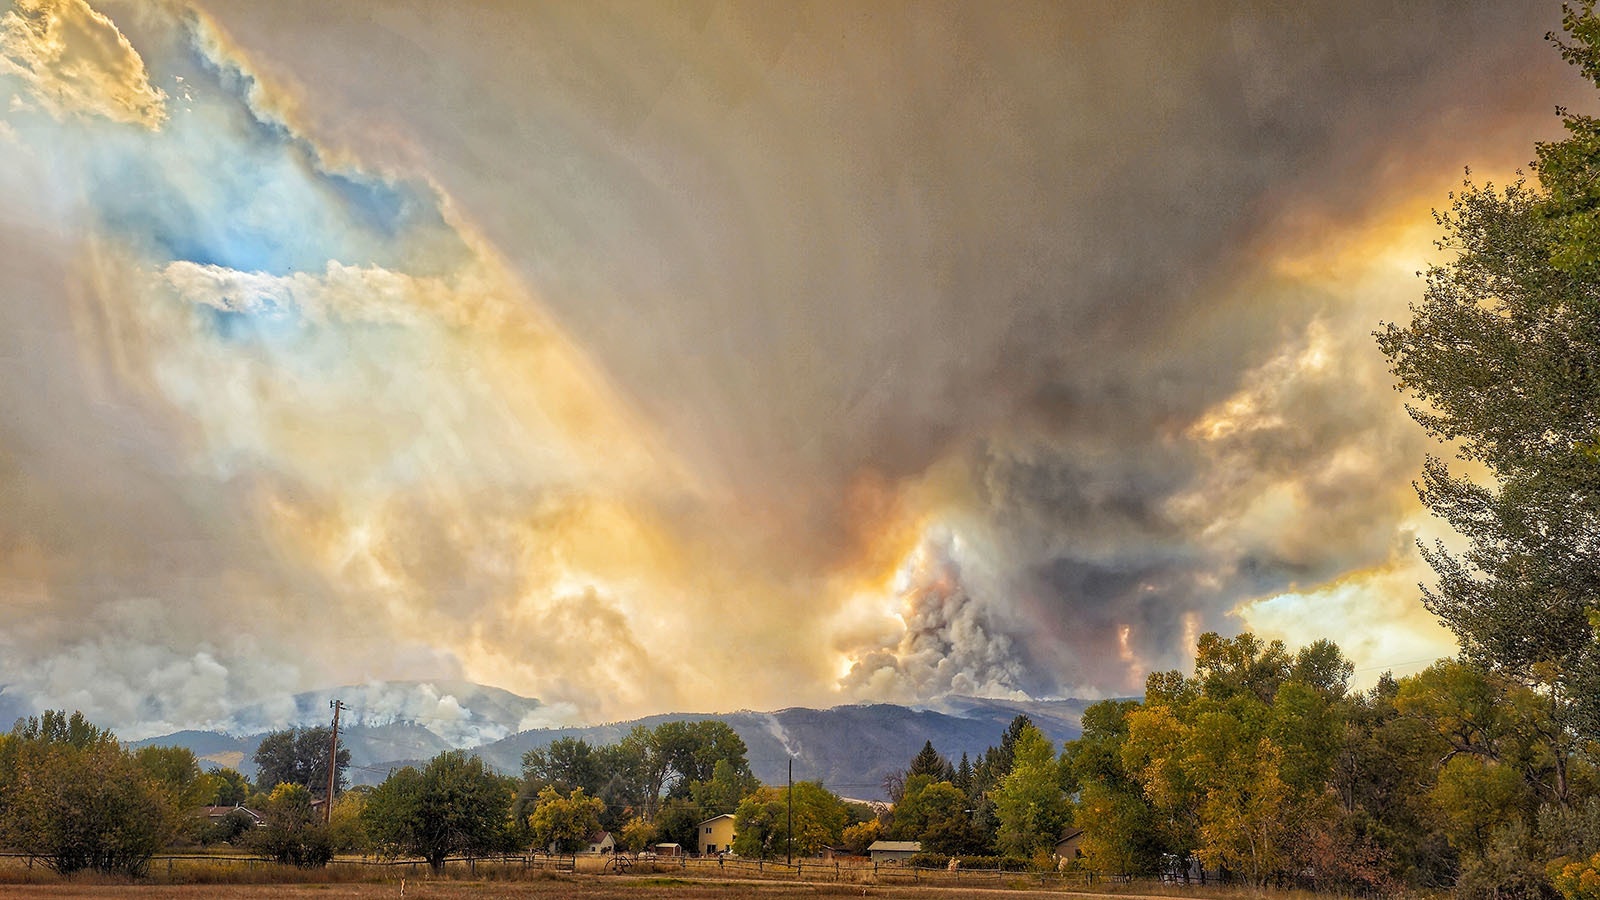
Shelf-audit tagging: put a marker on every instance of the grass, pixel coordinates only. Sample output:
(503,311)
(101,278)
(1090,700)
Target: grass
(239,879)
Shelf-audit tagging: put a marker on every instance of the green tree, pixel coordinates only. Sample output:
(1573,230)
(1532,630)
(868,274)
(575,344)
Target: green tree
(931,763)
(677,822)
(567,763)
(1502,359)
(762,821)
(178,772)
(454,805)
(1119,827)
(728,786)
(293,833)
(73,797)
(232,787)
(345,829)
(563,824)
(1030,803)
(693,749)
(935,813)
(299,756)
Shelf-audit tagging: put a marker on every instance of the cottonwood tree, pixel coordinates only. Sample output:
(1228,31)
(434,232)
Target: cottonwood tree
(454,805)
(299,756)
(1030,802)
(564,824)
(761,823)
(1502,360)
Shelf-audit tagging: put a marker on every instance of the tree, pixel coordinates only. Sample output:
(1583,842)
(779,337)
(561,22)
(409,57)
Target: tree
(636,835)
(293,833)
(232,787)
(299,756)
(454,805)
(565,764)
(762,821)
(1030,803)
(931,763)
(563,824)
(857,838)
(1502,358)
(178,772)
(935,813)
(1120,834)
(693,749)
(76,799)
(728,786)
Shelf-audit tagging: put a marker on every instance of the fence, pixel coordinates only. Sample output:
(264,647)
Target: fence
(182,867)
(863,872)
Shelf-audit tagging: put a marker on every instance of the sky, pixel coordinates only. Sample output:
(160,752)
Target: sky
(697,356)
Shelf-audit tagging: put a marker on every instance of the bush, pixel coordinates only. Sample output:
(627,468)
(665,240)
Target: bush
(1577,879)
(292,834)
(74,798)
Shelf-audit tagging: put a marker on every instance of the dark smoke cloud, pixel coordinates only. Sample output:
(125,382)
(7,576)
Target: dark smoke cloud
(1021,276)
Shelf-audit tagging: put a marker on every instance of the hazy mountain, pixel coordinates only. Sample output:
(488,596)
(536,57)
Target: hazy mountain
(848,748)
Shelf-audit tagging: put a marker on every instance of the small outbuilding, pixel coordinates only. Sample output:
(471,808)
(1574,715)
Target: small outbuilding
(893,851)
(1069,847)
(668,849)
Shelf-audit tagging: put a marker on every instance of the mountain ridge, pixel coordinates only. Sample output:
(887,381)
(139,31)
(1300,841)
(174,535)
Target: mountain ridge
(850,748)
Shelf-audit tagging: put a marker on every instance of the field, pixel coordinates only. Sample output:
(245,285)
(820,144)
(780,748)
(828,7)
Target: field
(240,878)
(580,886)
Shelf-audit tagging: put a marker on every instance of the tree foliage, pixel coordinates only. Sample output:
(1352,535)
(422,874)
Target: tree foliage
(1030,803)
(293,832)
(299,756)
(564,824)
(1502,359)
(454,805)
(761,824)
(73,797)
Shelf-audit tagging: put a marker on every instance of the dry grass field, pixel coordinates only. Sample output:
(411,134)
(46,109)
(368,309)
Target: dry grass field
(201,878)
(580,886)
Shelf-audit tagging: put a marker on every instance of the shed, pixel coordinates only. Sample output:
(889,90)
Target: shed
(893,851)
(1068,848)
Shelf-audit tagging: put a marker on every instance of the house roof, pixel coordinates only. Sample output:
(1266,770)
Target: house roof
(1071,833)
(912,846)
(714,818)
(217,812)
(599,837)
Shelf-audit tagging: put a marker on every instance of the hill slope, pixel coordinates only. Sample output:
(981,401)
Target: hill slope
(849,748)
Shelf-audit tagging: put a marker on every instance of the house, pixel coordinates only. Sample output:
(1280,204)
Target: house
(1068,848)
(215,814)
(715,835)
(893,851)
(600,842)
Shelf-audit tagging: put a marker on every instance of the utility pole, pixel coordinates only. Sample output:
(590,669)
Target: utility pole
(333,762)
(791,810)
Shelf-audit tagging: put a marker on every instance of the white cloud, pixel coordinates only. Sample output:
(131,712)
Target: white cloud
(72,60)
